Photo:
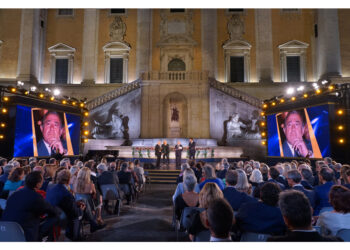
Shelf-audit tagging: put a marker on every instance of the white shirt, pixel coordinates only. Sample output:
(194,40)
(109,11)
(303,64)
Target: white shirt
(333,222)
(47,147)
(291,148)
(212,238)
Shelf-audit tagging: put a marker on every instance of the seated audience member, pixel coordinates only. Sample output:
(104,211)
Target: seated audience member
(256,179)
(248,171)
(6,172)
(274,174)
(113,170)
(125,181)
(180,187)
(3,162)
(242,182)
(74,173)
(297,214)
(198,172)
(79,164)
(209,175)
(52,161)
(184,166)
(281,178)
(189,198)
(307,179)
(347,176)
(15,179)
(264,169)
(26,207)
(332,222)
(140,173)
(210,192)
(219,220)
(322,191)
(27,170)
(264,216)
(60,196)
(42,162)
(343,177)
(224,167)
(294,179)
(233,196)
(134,177)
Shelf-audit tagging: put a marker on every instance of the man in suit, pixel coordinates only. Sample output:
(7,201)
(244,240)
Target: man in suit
(273,176)
(52,130)
(295,145)
(26,207)
(165,152)
(158,153)
(297,214)
(192,149)
(294,179)
(178,152)
(326,176)
(234,197)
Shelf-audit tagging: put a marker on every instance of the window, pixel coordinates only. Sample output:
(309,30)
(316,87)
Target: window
(293,61)
(176,65)
(116,70)
(177,10)
(61,75)
(237,69)
(235,10)
(293,68)
(61,58)
(65,12)
(117,11)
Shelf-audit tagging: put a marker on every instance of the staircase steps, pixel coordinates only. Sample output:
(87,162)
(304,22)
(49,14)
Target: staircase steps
(163,176)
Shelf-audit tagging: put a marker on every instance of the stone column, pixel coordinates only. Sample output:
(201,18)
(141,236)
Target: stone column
(264,50)
(28,58)
(209,41)
(328,45)
(143,47)
(90,39)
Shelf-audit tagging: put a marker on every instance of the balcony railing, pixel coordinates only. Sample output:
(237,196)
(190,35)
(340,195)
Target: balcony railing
(174,76)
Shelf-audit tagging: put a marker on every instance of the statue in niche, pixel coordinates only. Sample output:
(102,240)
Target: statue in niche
(235,27)
(174,114)
(117,29)
(253,126)
(234,127)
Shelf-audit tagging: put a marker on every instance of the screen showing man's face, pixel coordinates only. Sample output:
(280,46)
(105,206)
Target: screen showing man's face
(51,128)
(293,128)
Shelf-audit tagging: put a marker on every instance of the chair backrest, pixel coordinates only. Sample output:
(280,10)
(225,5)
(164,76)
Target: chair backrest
(125,188)
(109,192)
(11,231)
(344,234)
(3,204)
(87,198)
(254,237)
(326,209)
(188,215)
(202,236)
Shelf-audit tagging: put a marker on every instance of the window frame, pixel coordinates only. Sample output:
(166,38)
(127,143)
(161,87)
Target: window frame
(117,14)
(63,16)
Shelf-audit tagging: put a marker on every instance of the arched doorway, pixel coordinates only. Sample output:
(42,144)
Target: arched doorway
(176,65)
(175,114)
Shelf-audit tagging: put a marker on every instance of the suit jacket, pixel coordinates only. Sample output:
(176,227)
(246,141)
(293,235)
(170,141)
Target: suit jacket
(288,153)
(59,196)
(221,174)
(107,178)
(178,149)
(306,185)
(303,237)
(192,147)
(283,187)
(25,207)
(321,196)
(42,150)
(236,198)
(158,151)
(165,149)
(258,217)
(310,194)
(282,179)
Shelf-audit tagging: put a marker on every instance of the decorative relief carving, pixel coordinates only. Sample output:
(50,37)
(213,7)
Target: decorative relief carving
(235,27)
(117,29)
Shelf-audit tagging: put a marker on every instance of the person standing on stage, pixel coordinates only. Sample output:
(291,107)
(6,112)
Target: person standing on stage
(158,153)
(165,152)
(178,152)
(192,149)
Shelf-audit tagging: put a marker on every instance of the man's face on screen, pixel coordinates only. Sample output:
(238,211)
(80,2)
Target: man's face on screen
(51,128)
(293,128)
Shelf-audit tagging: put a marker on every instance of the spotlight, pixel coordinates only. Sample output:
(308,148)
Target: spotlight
(340,127)
(341,140)
(86,140)
(2,137)
(64,102)
(33,88)
(74,103)
(86,113)
(340,112)
(56,92)
(318,91)
(262,113)
(290,91)
(86,132)
(293,98)
(82,105)
(86,124)
(52,98)
(262,123)
(324,82)
(305,95)
(282,100)
(301,88)
(6,99)
(263,134)
(265,106)
(13,90)
(2,125)
(263,142)
(19,83)
(41,95)
(331,87)
(26,93)
(273,104)
(315,85)
(4,110)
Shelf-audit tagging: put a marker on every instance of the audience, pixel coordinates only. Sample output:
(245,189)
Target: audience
(242,184)
(294,179)
(274,177)
(209,176)
(326,176)
(15,179)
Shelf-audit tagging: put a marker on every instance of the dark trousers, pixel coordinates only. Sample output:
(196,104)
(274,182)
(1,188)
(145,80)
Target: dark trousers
(158,161)
(167,157)
(46,228)
(178,160)
(192,154)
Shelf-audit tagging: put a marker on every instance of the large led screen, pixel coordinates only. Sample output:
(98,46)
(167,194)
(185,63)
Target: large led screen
(299,133)
(43,132)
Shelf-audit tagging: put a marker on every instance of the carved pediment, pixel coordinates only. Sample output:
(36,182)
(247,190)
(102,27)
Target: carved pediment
(116,46)
(177,40)
(61,47)
(294,44)
(237,45)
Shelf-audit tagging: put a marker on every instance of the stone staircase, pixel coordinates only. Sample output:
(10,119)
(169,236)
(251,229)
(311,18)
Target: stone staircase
(162,176)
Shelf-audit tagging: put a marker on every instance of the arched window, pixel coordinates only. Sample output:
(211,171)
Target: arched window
(176,65)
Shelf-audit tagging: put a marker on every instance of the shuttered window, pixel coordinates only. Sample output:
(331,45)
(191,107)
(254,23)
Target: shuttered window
(117,11)
(293,68)
(116,70)
(236,69)
(61,71)
(65,12)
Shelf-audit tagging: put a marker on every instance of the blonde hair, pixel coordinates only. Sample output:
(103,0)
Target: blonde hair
(49,170)
(242,182)
(83,178)
(210,192)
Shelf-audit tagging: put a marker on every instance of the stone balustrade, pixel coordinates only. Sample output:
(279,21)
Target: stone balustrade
(174,76)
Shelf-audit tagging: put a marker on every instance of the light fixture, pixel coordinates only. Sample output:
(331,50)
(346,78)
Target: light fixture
(19,83)
(86,113)
(86,124)
(330,87)
(82,105)
(262,113)
(41,95)
(86,140)
(341,140)
(340,112)
(324,82)
(263,142)
(318,91)
(74,103)
(273,104)
(305,95)
(13,90)
(6,99)
(340,127)
(290,91)
(262,123)
(301,88)
(263,134)
(265,106)
(2,137)
(3,125)
(52,98)
(293,98)
(86,132)
(64,102)
(315,85)
(33,88)
(56,92)
(282,100)
(4,110)
(26,93)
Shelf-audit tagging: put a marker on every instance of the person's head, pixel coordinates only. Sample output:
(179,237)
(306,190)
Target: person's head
(159,142)
(256,165)
(339,197)
(347,175)
(274,173)
(42,162)
(16,174)
(124,166)
(242,181)
(286,168)
(231,177)
(3,162)
(326,174)
(248,169)
(32,159)
(164,142)
(101,168)
(34,180)
(220,218)
(269,193)
(83,178)
(56,174)
(293,177)
(328,160)
(306,174)
(264,169)
(188,171)
(49,170)
(137,162)
(209,192)
(178,142)
(74,170)
(64,164)
(256,176)
(296,210)
(27,170)
(294,127)
(112,166)
(7,168)
(63,177)
(51,127)
(79,164)
(52,161)
(39,169)
(208,172)
(191,139)
(15,163)
(189,182)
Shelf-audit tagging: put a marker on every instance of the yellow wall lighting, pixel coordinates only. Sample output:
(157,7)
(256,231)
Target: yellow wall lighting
(2,136)
(265,106)
(41,95)
(262,113)
(262,123)
(293,98)
(26,93)
(86,113)
(86,124)
(64,102)
(305,95)
(86,140)
(74,103)
(86,132)
(273,104)
(340,127)
(263,142)
(318,91)
(263,134)
(341,140)
(2,125)
(52,98)
(4,110)
(13,90)
(282,100)
(340,112)
(81,105)
(6,99)
(331,87)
